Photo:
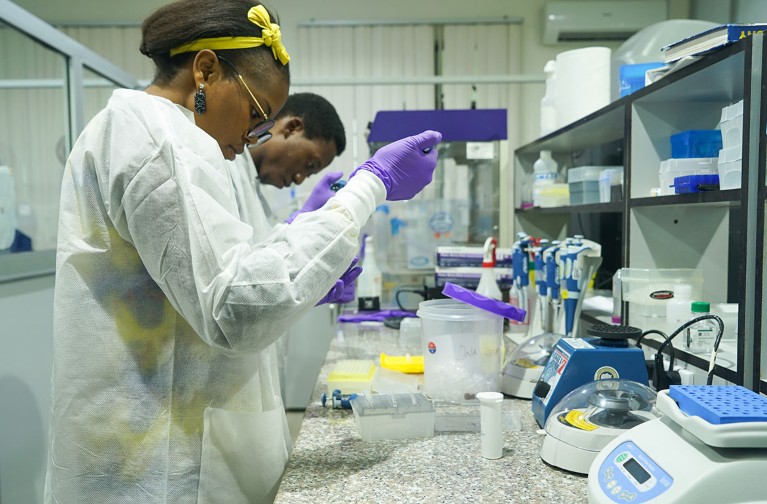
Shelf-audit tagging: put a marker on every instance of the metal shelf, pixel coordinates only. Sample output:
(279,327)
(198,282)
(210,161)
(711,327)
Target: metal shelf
(612,207)
(731,197)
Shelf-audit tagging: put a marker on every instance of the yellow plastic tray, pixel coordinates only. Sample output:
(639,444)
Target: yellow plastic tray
(411,364)
(352,376)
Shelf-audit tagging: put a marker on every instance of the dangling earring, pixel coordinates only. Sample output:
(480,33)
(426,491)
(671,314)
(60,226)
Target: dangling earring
(199,100)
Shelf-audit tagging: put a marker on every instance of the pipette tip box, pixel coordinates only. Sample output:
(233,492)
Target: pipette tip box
(393,416)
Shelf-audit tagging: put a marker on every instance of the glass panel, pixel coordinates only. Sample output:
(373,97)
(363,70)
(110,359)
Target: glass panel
(97,91)
(33,141)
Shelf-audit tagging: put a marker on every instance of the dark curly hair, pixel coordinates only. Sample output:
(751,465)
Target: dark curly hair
(320,118)
(184,21)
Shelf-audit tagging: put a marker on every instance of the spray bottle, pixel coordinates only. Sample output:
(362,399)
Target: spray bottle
(487,282)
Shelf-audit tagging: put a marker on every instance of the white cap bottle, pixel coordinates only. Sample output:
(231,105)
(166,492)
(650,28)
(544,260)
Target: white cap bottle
(544,173)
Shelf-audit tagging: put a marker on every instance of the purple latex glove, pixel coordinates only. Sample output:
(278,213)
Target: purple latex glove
(349,294)
(320,194)
(405,166)
(337,291)
(378,316)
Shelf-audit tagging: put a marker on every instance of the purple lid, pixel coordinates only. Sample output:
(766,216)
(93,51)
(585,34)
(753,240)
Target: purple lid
(491,305)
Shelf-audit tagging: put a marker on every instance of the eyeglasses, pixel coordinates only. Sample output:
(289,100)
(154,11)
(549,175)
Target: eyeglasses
(260,132)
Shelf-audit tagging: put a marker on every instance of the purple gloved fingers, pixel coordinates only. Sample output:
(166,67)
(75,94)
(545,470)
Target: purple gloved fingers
(349,295)
(334,294)
(406,166)
(338,290)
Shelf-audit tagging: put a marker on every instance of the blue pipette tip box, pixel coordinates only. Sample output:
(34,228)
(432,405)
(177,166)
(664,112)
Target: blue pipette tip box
(720,404)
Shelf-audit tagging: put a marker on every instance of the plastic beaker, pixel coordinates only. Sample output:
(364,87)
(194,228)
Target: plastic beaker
(462,349)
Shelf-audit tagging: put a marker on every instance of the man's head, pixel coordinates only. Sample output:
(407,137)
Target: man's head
(306,136)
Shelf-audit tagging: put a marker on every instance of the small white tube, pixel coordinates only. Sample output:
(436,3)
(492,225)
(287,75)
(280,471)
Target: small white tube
(490,422)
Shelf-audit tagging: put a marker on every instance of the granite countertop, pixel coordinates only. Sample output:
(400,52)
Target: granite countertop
(331,462)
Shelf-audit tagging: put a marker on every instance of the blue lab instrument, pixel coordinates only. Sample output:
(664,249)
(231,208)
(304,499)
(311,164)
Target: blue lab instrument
(576,361)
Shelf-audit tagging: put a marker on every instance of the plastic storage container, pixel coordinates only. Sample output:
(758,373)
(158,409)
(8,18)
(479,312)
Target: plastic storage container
(647,292)
(462,349)
(695,183)
(673,168)
(632,76)
(555,195)
(730,167)
(696,144)
(583,183)
(678,308)
(611,184)
(731,125)
(352,376)
(393,416)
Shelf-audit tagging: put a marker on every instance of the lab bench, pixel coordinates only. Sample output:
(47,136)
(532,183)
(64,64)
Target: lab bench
(331,462)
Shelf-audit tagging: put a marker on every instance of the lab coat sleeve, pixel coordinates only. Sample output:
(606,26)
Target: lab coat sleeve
(177,208)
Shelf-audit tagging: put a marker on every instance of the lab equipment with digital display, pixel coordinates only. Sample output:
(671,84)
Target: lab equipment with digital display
(710,446)
(591,416)
(462,204)
(606,354)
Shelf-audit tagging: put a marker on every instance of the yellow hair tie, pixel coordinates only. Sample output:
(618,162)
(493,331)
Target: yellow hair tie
(270,36)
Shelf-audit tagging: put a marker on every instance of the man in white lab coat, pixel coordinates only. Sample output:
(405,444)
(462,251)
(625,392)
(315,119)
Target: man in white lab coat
(307,135)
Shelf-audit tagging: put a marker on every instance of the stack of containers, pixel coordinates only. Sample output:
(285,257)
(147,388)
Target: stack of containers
(611,184)
(595,184)
(583,183)
(693,161)
(463,266)
(731,156)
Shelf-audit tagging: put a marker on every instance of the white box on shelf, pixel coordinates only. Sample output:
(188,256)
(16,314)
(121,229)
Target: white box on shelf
(679,167)
(730,167)
(731,125)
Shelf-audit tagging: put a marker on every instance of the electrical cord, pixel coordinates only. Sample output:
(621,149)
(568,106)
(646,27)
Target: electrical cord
(717,340)
(661,333)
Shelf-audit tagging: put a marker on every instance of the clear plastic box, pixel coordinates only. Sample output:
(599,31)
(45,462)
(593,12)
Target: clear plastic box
(393,416)
(583,183)
(611,177)
(647,292)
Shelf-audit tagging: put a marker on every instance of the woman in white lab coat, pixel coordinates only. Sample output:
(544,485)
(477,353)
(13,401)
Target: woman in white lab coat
(165,314)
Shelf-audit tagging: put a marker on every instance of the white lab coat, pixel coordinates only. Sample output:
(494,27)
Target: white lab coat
(165,314)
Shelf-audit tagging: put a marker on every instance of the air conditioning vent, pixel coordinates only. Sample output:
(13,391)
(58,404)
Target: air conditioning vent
(606,20)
